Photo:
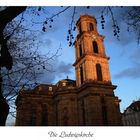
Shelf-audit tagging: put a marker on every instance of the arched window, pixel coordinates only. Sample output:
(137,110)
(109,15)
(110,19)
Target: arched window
(80,29)
(80,50)
(81,74)
(95,46)
(91,27)
(99,72)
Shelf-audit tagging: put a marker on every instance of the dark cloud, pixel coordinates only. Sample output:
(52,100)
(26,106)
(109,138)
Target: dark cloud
(44,39)
(63,68)
(48,77)
(131,72)
(60,70)
(136,55)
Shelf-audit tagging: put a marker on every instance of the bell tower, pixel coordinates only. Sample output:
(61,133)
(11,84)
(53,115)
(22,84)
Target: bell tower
(97,103)
(91,60)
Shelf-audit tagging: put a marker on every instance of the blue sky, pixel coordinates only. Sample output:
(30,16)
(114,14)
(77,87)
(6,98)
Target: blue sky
(124,53)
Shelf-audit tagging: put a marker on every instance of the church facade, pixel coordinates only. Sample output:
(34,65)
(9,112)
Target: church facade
(88,101)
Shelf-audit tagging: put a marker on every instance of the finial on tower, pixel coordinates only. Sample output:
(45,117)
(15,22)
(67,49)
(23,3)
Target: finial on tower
(67,77)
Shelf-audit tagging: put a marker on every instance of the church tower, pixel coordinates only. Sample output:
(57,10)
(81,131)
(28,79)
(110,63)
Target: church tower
(97,103)
(91,60)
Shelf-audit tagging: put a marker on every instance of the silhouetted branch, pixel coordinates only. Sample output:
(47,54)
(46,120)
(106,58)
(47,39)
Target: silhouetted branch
(8,36)
(132,18)
(72,28)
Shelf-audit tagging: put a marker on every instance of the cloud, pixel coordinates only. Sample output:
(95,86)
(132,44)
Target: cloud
(48,42)
(131,72)
(64,68)
(60,71)
(136,55)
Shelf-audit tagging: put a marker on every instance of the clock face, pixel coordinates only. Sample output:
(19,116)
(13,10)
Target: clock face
(93,36)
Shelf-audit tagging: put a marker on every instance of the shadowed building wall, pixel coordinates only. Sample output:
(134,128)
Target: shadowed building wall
(131,116)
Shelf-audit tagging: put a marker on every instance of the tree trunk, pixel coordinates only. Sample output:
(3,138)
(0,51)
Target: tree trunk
(9,14)
(6,16)
(4,111)
(4,107)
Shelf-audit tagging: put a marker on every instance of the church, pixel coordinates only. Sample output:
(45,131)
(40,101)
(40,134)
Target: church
(87,101)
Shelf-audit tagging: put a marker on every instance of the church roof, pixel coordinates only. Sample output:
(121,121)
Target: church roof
(134,107)
(69,82)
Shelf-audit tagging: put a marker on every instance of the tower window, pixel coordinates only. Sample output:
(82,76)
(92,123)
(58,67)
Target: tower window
(81,74)
(80,50)
(95,46)
(80,29)
(99,72)
(91,28)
